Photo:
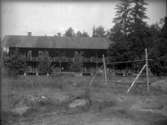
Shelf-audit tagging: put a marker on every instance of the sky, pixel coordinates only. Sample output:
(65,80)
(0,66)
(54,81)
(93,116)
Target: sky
(49,18)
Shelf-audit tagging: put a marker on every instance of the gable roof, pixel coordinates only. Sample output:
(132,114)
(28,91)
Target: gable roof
(56,42)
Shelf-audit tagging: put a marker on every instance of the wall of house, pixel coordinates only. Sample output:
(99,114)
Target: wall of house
(66,53)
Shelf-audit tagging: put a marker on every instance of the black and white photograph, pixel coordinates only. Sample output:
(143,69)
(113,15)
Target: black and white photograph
(80,62)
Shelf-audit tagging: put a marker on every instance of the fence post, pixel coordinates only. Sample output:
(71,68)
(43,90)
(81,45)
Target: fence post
(147,70)
(105,71)
(138,75)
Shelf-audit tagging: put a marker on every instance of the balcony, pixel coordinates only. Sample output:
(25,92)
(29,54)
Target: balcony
(66,59)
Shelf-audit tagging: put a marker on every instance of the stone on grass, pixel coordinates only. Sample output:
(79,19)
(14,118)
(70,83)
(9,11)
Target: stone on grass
(78,103)
(59,97)
(20,110)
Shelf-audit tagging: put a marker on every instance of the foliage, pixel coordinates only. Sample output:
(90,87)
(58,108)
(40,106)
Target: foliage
(164,29)
(69,32)
(76,66)
(115,33)
(79,34)
(132,35)
(159,53)
(44,62)
(138,13)
(122,17)
(15,63)
(98,32)
(138,41)
(58,34)
(119,51)
(82,34)
(85,34)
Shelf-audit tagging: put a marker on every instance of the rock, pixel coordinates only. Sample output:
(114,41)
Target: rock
(33,100)
(43,100)
(78,103)
(20,110)
(59,97)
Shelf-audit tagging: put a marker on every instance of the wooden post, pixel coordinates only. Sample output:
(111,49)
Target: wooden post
(136,78)
(147,70)
(60,65)
(91,81)
(105,71)
(96,61)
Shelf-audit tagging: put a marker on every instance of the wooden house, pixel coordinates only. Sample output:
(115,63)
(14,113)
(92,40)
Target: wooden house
(61,50)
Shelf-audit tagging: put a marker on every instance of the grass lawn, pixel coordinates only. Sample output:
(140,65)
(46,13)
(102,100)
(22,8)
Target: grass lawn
(110,104)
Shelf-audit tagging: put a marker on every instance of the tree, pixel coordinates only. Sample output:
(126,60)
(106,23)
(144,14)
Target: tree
(82,34)
(69,32)
(98,32)
(115,33)
(15,63)
(119,51)
(164,29)
(59,34)
(130,15)
(122,17)
(159,52)
(159,56)
(79,34)
(130,33)
(138,14)
(85,34)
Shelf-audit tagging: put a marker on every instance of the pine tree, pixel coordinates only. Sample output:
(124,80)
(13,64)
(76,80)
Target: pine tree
(130,32)
(138,14)
(123,15)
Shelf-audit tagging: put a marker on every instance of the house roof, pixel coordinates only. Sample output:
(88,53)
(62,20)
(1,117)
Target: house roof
(56,42)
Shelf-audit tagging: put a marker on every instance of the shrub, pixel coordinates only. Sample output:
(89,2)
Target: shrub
(76,66)
(44,63)
(15,63)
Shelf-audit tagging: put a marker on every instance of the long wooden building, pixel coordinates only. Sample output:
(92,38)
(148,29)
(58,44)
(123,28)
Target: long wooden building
(61,50)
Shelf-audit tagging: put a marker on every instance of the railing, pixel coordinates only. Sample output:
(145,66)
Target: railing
(66,59)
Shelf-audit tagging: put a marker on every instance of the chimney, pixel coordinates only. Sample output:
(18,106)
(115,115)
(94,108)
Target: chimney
(29,34)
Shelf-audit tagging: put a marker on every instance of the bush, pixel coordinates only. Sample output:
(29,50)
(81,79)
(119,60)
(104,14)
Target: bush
(76,66)
(15,63)
(44,63)
(159,56)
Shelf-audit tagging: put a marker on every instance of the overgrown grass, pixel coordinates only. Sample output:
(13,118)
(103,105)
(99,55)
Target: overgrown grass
(15,89)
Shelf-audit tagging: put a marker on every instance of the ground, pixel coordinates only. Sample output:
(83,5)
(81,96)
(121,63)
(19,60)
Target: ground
(44,100)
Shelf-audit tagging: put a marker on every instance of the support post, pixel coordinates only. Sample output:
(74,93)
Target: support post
(105,71)
(91,81)
(60,66)
(147,70)
(96,61)
(136,78)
